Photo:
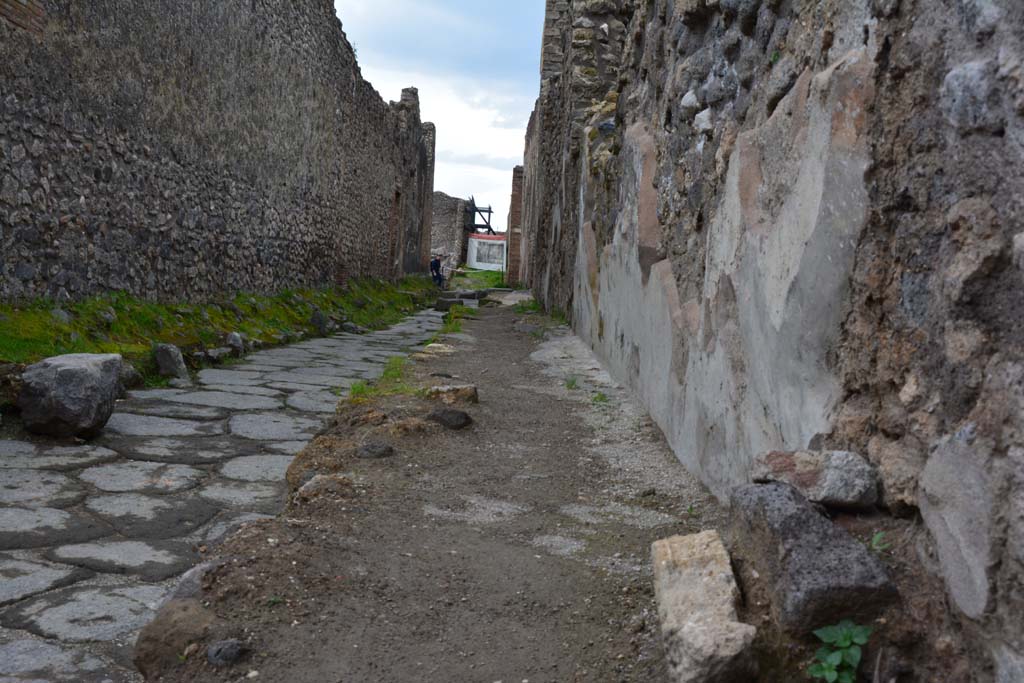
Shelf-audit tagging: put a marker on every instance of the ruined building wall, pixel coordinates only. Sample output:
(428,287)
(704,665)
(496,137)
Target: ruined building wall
(178,149)
(790,224)
(515,228)
(448,232)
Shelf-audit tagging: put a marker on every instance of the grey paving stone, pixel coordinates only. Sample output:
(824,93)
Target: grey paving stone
(245,391)
(239,377)
(314,401)
(149,560)
(175,410)
(289,447)
(78,614)
(39,661)
(237,494)
(24,578)
(146,425)
(135,515)
(293,386)
(187,451)
(257,367)
(291,377)
(257,468)
(16,448)
(38,488)
(273,427)
(36,527)
(141,477)
(230,523)
(153,394)
(220,399)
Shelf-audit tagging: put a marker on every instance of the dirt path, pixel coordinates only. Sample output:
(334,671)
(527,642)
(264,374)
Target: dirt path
(516,550)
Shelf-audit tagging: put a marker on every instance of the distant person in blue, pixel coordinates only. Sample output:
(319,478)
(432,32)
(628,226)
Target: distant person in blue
(435,271)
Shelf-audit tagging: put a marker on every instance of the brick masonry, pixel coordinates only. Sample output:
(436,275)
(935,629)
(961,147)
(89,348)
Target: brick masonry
(186,150)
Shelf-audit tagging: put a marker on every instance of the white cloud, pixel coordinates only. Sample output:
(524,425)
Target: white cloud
(475,134)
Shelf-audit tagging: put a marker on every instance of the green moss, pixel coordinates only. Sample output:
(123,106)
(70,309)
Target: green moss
(478,279)
(393,382)
(119,323)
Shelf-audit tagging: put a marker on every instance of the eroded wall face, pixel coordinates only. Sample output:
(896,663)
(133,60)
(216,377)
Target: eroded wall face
(190,149)
(448,232)
(795,225)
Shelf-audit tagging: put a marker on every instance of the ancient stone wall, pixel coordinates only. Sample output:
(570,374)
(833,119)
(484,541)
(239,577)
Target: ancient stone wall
(186,150)
(515,228)
(792,224)
(448,232)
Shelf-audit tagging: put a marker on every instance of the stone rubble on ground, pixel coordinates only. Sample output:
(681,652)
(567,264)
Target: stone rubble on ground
(697,597)
(169,361)
(814,569)
(455,393)
(839,479)
(70,395)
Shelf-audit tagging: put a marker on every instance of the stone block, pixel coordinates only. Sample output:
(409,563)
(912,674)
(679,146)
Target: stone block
(817,573)
(451,394)
(70,395)
(697,595)
(838,479)
(169,361)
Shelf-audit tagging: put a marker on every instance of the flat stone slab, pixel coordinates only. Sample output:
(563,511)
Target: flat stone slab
(150,560)
(293,386)
(291,377)
(39,661)
(187,451)
(244,391)
(78,615)
(289,447)
(697,597)
(146,425)
(23,579)
(220,399)
(223,527)
(239,377)
(175,410)
(38,488)
(37,527)
(60,459)
(833,478)
(238,494)
(273,427)
(16,448)
(314,401)
(136,515)
(141,477)
(153,394)
(257,468)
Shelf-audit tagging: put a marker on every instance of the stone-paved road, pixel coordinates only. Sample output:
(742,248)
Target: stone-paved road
(92,537)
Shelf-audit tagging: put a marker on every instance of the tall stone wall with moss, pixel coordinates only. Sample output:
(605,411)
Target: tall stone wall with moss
(791,224)
(180,150)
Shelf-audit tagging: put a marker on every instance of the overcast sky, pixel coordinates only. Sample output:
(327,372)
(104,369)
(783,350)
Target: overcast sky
(476,66)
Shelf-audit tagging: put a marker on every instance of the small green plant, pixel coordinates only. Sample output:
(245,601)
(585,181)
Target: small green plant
(878,542)
(572,383)
(529,306)
(600,397)
(274,601)
(560,317)
(837,661)
(776,57)
(691,511)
